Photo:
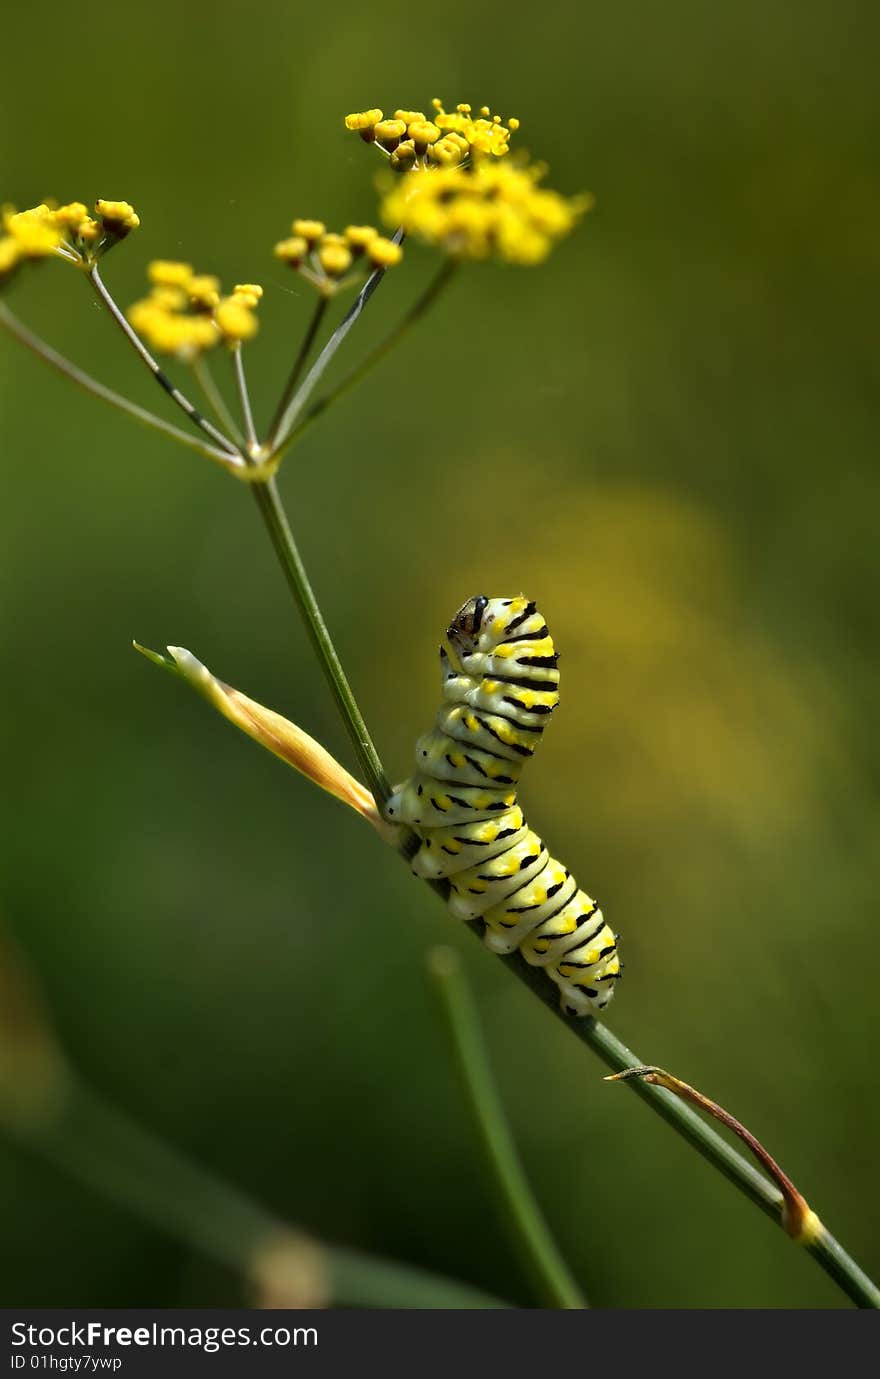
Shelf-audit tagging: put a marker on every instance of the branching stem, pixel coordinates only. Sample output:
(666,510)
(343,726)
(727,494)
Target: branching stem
(65,366)
(214,398)
(440,280)
(137,344)
(299,364)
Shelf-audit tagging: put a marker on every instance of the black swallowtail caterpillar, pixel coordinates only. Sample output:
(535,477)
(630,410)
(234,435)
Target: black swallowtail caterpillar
(500,679)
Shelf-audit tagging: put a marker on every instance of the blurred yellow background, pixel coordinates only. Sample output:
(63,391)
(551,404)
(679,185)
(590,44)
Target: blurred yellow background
(666,435)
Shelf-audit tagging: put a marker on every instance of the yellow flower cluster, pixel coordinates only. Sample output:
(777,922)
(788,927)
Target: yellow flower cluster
(488,209)
(445,139)
(185,314)
(326,259)
(67,231)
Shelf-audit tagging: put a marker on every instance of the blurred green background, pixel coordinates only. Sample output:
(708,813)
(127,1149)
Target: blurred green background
(667,435)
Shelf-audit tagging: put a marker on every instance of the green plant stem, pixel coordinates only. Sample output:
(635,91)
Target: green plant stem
(214,398)
(268,501)
(299,364)
(244,399)
(295,406)
(828,1253)
(106,299)
(112,1154)
(437,284)
(531,1233)
(699,1134)
(71,371)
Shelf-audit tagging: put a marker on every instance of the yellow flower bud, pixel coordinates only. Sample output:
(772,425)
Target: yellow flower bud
(309,230)
(71,216)
(203,290)
(169,273)
(363,121)
(446,152)
(235,320)
(335,259)
(357,237)
(389,133)
(34,231)
(384,253)
(169,298)
(249,290)
(88,230)
(10,256)
(291,251)
(423,133)
(403,156)
(119,217)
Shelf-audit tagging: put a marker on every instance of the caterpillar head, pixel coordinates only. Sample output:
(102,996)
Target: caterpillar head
(464,629)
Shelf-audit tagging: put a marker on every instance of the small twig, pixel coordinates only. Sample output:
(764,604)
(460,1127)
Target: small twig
(437,284)
(791,1209)
(183,402)
(214,398)
(91,385)
(532,1234)
(298,365)
(796,1219)
(244,399)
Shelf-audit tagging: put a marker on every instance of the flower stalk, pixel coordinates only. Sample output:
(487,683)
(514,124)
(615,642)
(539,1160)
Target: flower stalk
(531,1234)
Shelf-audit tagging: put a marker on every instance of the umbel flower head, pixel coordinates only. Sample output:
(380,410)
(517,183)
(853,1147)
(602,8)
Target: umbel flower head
(413,140)
(331,261)
(185,314)
(488,209)
(67,232)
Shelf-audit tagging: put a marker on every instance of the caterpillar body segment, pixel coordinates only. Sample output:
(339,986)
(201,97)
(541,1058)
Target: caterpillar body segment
(500,686)
(447,850)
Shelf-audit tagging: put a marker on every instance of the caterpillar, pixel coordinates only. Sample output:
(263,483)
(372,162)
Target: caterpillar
(500,685)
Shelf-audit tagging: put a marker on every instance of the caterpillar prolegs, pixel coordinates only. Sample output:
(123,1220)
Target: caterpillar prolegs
(500,685)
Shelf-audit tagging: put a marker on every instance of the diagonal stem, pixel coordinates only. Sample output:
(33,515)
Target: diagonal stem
(91,385)
(244,399)
(152,364)
(294,408)
(268,500)
(532,1234)
(214,398)
(416,311)
(298,365)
